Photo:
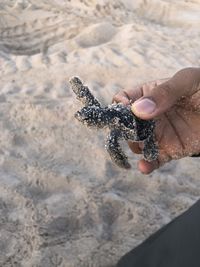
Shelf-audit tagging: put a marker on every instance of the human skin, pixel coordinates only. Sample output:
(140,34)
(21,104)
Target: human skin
(174,103)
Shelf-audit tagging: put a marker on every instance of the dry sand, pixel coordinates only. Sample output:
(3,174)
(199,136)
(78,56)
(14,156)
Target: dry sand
(62,202)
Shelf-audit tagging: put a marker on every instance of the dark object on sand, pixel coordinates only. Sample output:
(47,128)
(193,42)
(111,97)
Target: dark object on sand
(123,124)
(177,244)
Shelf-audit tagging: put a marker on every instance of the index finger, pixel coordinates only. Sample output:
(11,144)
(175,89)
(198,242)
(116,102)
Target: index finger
(128,96)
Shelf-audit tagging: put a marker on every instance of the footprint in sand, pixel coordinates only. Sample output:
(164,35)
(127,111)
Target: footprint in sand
(96,35)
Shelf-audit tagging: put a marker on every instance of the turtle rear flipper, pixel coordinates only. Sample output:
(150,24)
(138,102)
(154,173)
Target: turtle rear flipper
(150,150)
(114,149)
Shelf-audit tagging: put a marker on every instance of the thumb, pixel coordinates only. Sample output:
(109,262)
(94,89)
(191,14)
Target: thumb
(162,97)
(157,101)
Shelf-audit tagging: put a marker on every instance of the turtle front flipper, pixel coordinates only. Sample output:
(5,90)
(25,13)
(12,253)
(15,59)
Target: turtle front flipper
(114,149)
(150,150)
(83,93)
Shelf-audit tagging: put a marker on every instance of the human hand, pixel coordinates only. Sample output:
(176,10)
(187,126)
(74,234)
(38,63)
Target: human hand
(175,105)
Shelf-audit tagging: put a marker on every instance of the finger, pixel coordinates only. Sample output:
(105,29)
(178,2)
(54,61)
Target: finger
(162,97)
(135,147)
(128,96)
(121,97)
(147,167)
(157,101)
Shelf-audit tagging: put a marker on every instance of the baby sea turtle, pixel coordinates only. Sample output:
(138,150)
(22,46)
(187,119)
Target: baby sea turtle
(123,124)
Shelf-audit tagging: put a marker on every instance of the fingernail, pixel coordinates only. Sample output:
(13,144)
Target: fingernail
(144,106)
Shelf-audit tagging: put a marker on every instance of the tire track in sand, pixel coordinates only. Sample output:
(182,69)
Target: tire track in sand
(37,36)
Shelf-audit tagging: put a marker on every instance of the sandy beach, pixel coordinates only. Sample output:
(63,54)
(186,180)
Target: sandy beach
(62,201)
